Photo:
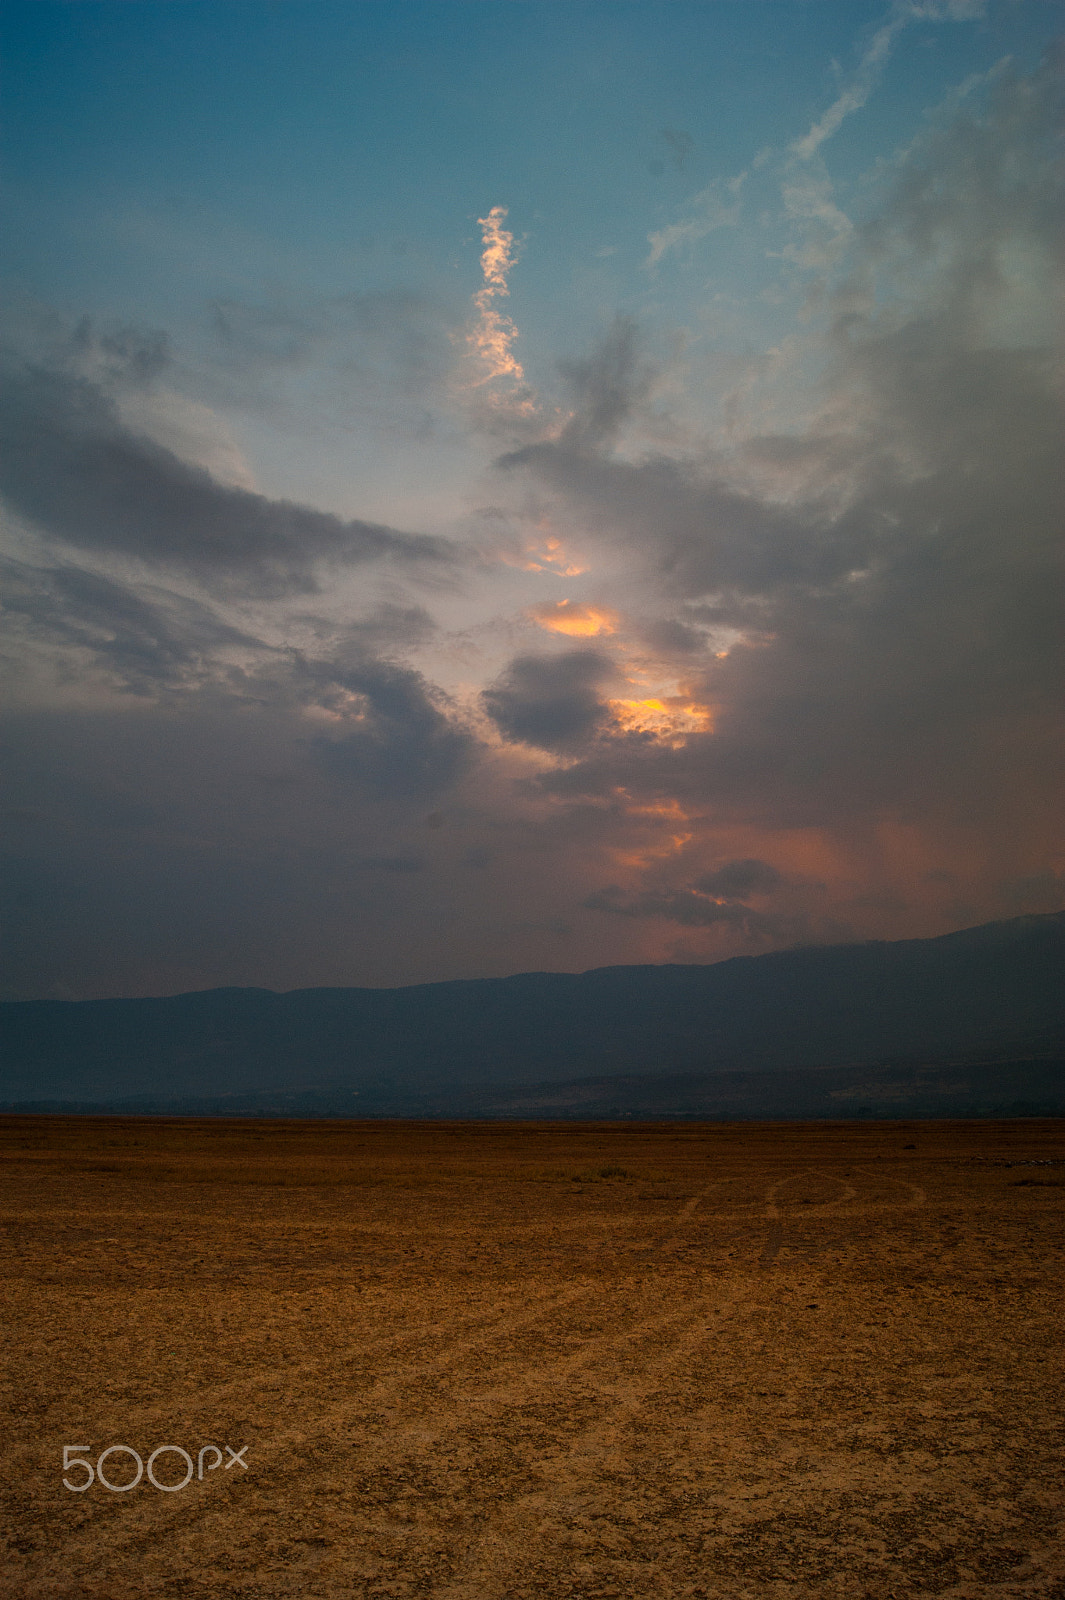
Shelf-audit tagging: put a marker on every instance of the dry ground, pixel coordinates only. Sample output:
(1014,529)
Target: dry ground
(543,1360)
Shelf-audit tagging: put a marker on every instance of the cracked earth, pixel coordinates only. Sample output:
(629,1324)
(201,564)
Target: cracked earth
(504,1362)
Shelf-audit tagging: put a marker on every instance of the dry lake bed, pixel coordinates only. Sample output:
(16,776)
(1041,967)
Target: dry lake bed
(503,1360)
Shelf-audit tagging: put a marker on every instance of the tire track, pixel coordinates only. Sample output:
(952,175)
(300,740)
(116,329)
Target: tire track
(414,1434)
(775,1215)
(309,1371)
(775,1230)
(406,1446)
(518,1526)
(666,1240)
(164,1514)
(298,1378)
(918,1196)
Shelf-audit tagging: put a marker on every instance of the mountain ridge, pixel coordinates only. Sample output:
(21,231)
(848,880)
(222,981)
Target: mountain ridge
(996,988)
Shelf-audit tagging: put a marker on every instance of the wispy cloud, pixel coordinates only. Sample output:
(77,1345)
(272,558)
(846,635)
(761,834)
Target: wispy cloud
(492,337)
(857,91)
(718,206)
(807,191)
(823,228)
(865,77)
(808,199)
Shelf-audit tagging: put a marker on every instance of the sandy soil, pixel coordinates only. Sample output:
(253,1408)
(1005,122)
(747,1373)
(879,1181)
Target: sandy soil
(502,1361)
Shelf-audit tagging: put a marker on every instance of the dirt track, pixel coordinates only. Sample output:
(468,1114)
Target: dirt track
(501,1361)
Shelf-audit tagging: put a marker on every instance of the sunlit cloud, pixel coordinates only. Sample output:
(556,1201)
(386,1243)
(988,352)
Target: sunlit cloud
(578,621)
(670,718)
(492,336)
(547,555)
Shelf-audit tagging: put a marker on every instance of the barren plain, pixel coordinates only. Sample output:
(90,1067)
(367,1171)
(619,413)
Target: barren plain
(524,1360)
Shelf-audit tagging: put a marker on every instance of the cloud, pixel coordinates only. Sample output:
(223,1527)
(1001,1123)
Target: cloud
(807,189)
(861,85)
(606,389)
(698,534)
(717,206)
(152,850)
(550,701)
(690,909)
(387,629)
(69,465)
(192,431)
(493,335)
(841,645)
(807,195)
(578,621)
(890,570)
(874,59)
(394,738)
(148,642)
(667,636)
(121,353)
(738,880)
(808,199)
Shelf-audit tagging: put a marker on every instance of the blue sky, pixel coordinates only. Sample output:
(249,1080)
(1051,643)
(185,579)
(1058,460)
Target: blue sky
(623,564)
(336,147)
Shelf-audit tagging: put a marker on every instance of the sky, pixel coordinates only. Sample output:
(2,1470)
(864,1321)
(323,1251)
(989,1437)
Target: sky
(524,484)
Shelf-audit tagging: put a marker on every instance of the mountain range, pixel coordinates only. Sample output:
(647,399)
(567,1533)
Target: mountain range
(970,1023)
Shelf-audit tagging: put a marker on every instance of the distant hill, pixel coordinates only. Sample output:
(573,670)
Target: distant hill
(983,1010)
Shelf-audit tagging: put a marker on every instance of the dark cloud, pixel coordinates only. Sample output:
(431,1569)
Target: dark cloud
(699,534)
(148,641)
(386,629)
(691,909)
(669,636)
(69,465)
(401,741)
(158,848)
(550,701)
(606,388)
(738,880)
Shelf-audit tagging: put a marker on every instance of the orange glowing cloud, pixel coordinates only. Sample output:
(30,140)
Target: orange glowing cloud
(660,810)
(671,836)
(669,717)
(546,557)
(492,336)
(579,622)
